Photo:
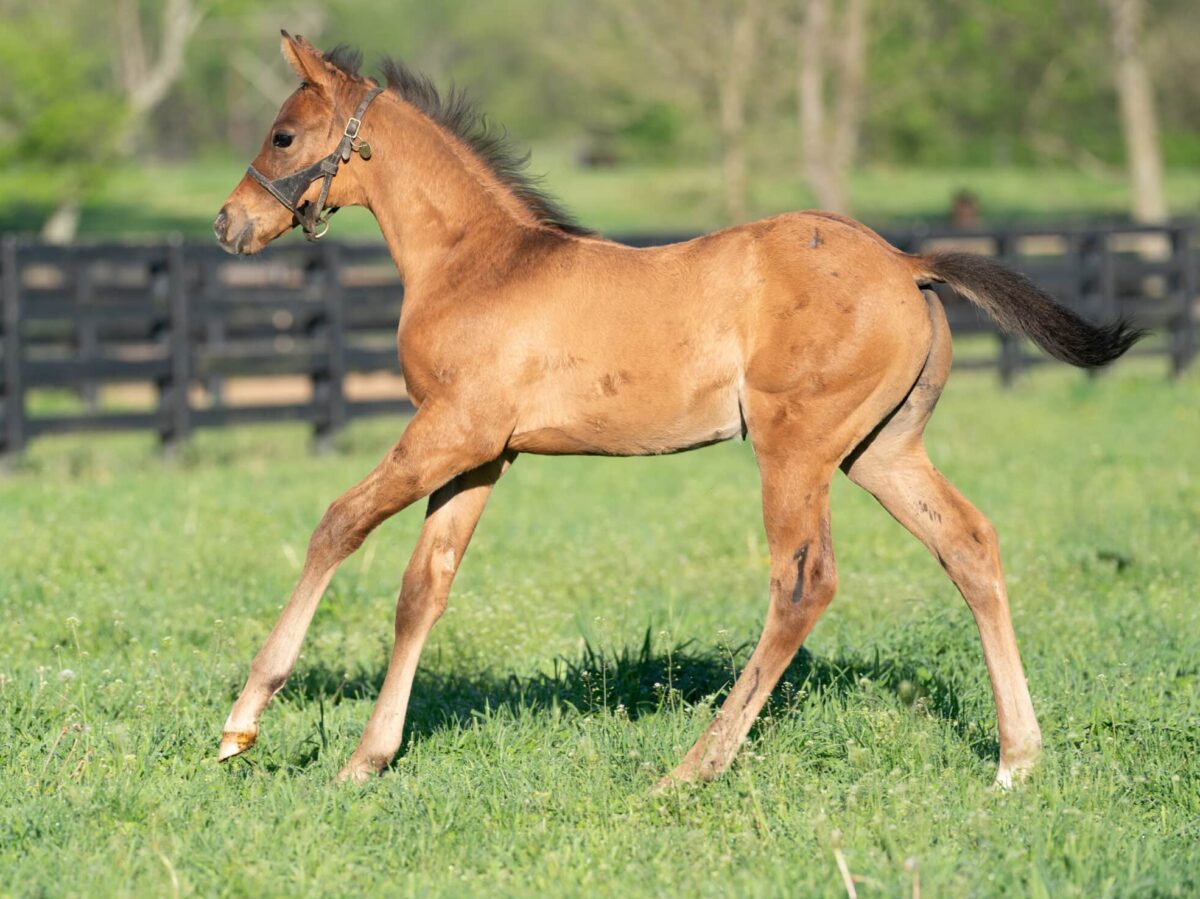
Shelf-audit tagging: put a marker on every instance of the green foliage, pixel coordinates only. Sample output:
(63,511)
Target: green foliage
(625,199)
(60,118)
(602,610)
(652,131)
(991,83)
(950,82)
(955,84)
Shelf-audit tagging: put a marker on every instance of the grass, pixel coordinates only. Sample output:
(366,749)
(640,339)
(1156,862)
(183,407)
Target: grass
(604,607)
(149,199)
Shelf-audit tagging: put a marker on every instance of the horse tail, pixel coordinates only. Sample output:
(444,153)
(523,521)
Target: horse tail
(1019,306)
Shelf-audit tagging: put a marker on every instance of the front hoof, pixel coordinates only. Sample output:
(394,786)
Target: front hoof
(234,742)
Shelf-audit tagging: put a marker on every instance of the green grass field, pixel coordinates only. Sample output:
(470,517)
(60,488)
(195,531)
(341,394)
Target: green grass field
(604,607)
(149,199)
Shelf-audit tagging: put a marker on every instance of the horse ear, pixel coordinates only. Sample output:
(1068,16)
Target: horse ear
(305,59)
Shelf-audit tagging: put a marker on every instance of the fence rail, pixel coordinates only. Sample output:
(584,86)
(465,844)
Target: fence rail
(192,326)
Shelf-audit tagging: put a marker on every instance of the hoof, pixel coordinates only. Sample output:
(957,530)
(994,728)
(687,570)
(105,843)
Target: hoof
(682,775)
(356,773)
(665,785)
(1010,774)
(235,742)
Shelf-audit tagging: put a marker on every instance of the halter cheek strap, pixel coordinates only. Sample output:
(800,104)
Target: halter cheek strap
(290,188)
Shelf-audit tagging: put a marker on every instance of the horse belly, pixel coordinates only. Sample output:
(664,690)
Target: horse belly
(644,423)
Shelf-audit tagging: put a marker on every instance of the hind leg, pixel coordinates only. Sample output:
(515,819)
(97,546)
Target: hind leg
(894,467)
(803,582)
(798,439)
(804,411)
(964,541)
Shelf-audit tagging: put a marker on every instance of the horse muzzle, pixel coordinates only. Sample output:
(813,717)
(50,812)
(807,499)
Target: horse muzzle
(232,240)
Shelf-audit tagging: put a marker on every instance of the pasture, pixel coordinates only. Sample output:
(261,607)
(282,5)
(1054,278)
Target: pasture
(681,198)
(603,608)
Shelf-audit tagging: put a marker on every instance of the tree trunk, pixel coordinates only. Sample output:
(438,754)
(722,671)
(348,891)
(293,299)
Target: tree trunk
(810,93)
(733,167)
(146,83)
(1139,119)
(708,48)
(847,111)
(830,120)
(63,223)
(731,98)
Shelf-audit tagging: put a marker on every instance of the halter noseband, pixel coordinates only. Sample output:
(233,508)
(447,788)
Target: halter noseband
(289,189)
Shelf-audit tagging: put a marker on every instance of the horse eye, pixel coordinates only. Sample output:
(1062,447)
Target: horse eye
(282,139)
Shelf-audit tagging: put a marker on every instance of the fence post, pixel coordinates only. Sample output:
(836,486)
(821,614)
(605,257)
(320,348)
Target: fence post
(214,325)
(1110,301)
(1010,361)
(175,404)
(12,434)
(329,383)
(1187,283)
(87,328)
(1098,293)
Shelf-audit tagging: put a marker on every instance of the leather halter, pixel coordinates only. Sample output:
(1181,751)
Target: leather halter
(290,188)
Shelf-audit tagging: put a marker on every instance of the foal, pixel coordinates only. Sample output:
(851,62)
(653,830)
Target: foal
(522,332)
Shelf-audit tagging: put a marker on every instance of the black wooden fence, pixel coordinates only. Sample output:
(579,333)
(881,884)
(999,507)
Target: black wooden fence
(190,323)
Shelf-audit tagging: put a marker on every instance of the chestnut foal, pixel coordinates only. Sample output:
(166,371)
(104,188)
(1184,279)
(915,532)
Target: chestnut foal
(521,332)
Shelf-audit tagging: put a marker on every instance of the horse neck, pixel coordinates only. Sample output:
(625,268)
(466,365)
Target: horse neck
(436,203)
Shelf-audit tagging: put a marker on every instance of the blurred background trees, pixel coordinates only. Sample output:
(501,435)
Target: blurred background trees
(831,50)
(815,91)
(59,114)
(1139,116)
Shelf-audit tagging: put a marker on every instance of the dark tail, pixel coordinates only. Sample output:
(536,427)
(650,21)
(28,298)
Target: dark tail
(1021,307)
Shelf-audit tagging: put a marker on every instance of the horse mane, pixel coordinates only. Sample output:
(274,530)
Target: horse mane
(458,114)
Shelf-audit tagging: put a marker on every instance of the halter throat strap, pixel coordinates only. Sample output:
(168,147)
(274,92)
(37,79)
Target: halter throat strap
(290,188)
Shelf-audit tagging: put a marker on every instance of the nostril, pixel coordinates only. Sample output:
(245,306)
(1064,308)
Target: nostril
(221,224)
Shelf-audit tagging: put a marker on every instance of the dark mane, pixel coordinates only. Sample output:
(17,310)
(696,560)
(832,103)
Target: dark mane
(458,114)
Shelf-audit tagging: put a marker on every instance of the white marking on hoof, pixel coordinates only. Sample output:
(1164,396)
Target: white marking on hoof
(356,772)
(665,785)
(1009,775)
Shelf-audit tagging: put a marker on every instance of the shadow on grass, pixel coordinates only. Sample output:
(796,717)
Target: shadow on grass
(642,680)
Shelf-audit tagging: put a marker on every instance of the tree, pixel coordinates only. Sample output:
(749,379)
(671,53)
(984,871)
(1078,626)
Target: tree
(68,118)
(709,48)
(830,117)
(1139,117)
(59,118)
(147,77)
